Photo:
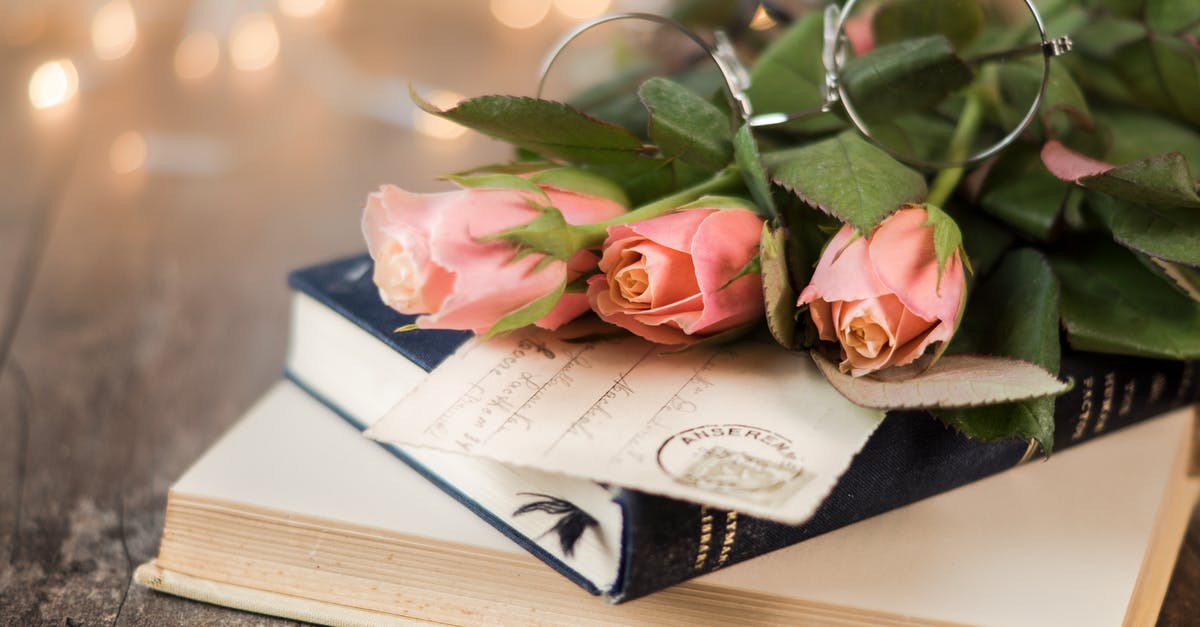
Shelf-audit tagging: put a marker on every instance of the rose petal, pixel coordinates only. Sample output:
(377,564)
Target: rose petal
(488,282)
(901,252)
(671,274)
(724,243)
(674,230)
(569,307)
(600,301)
(910,352)
(844,271)
(1069,165)
(885,314)
(394,206)
(581,209)
(822,316)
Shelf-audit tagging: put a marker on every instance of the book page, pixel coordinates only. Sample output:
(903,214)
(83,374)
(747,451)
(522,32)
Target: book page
(745,426)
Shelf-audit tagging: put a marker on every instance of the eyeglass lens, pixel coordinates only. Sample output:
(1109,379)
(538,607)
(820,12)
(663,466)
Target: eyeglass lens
(914,72)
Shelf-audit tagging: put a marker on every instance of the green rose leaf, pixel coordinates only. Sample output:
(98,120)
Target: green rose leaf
(548,234)
(1032,418)
(1184,279)
(1111,303)
(947,239)
(528,314)
(749,163)
(1164,74)
(1169,233)
(788,76)
(911,75)
(778,293)
(984,241)
(1103,35)
(1170,16)
(1012,313)
(643,179)
(714,201)
(551,129)
(1140,134)
(685,126)
(1021,192)
(581,182)
(1157,180)
(959,21)
(954,381)
(851,179)
(1063,104)
(496,181)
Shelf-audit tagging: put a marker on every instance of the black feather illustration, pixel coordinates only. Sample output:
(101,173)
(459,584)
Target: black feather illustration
(572,521)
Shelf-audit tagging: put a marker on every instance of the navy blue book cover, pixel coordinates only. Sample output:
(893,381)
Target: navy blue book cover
(911,456)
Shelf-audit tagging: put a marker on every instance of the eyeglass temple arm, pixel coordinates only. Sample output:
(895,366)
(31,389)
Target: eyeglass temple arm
(1053,48)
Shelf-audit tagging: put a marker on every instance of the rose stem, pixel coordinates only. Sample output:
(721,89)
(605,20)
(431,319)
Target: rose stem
(592,235)
(960,144)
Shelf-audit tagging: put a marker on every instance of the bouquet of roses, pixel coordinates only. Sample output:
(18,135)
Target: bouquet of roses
(954,206)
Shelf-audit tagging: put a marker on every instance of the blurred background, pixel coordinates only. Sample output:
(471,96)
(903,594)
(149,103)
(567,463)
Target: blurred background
(163,165)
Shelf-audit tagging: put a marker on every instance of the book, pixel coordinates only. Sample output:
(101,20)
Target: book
(344,351)
(294,513)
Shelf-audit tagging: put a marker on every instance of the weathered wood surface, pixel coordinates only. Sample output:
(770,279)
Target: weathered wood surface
(141,313)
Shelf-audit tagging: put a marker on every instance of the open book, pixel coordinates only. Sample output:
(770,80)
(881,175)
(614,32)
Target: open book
(294,513)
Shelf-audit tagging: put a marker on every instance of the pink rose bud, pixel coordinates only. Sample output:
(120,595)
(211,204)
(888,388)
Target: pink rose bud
(879,297)
(430,257)
(667,279)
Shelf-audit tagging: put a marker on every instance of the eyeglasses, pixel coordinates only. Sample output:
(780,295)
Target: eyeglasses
(908,74)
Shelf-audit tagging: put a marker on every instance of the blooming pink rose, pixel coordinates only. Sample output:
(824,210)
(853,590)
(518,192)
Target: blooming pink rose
(429,257)
(667,278)
(879,296)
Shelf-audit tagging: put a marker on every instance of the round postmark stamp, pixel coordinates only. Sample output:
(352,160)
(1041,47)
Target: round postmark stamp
(734,458)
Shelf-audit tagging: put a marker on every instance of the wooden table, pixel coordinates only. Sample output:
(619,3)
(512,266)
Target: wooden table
(141,312)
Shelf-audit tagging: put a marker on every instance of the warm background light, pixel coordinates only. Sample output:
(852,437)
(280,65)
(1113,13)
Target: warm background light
(53,83)
(434,126)
(128,152)
(520,13)
(302,8)
(23,24)
(762,20)
(581,9)
(253,42)
(114,30)
(197,55)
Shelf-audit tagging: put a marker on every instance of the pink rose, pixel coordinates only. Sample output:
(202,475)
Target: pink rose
(429,257)
(667,278)
(879,296)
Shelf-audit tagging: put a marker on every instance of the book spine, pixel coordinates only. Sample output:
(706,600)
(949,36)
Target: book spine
(912,456)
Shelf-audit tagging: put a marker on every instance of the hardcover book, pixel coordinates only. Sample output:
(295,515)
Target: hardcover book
(624,543)
(293,513)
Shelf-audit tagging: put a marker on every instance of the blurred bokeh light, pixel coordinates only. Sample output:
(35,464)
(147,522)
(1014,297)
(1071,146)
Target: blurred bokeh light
(520,14)
(128,152)
(53,83)
(197,55)
(114,30)
(253,42)
(582,9)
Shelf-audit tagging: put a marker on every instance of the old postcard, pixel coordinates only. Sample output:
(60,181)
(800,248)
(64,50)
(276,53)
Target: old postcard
(745,426)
